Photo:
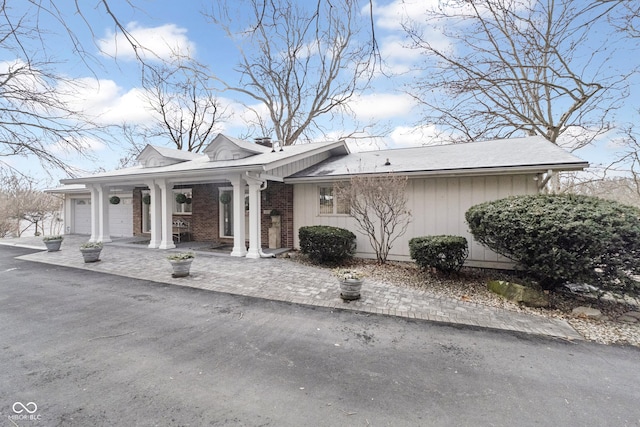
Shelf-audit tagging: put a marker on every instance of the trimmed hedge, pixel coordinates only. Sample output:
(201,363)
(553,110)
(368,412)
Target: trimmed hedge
(563,238)
(325,244)
(444,253)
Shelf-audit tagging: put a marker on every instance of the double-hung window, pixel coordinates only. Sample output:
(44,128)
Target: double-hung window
(330,203)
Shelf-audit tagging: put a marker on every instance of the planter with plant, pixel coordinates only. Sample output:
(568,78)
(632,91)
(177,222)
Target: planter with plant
(181,198)
(53,242)
(181,263)
(350,284)
(91,251)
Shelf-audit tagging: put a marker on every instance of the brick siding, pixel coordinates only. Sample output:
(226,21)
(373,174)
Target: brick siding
(205,217)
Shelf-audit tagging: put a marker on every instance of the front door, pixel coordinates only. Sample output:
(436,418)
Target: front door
(226,212)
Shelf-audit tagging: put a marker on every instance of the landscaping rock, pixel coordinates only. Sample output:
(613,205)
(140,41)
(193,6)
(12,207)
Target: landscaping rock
(587,312)
(634,314)
(518,293)
(627,319)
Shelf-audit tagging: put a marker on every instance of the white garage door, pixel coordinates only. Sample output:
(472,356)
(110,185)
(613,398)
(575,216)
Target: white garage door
(120,217)
(81,216)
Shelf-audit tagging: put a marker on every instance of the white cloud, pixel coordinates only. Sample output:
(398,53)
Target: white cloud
(166,42)
(404,136)
(107,103)
(88,145)
(381,106)
(391,16)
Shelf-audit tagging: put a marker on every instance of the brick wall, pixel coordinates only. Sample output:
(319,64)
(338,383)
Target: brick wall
(278,196)
(204,220)
(137,211)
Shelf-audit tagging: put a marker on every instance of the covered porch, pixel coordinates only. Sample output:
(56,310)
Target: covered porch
(244,224)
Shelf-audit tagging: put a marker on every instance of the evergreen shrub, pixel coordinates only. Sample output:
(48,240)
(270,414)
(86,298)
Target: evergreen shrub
(444,253)
(325,244)
(563,238)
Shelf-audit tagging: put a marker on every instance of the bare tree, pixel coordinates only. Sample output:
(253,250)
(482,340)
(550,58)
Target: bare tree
(300,61)
(36,102)
(514,67)
(187,108)
(628,20)
(24,206)
(623,189)
(379,206)
(34,109)
(629,158)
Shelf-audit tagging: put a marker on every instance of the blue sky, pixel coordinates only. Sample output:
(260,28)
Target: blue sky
(111,81)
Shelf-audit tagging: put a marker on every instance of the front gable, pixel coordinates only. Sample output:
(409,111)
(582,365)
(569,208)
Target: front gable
(226,148)
(153,157)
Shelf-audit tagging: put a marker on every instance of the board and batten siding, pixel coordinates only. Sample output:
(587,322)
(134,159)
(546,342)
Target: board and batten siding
(438,206)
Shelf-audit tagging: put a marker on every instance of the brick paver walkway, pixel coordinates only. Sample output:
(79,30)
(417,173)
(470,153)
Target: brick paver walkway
(284,280)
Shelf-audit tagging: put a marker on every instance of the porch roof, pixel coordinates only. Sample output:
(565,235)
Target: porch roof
(202,168)
(530,154)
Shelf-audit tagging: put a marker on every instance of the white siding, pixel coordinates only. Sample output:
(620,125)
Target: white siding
(294,167)
(438,206)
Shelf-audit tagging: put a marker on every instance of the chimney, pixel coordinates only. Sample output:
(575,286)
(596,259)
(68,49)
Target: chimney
(265,141)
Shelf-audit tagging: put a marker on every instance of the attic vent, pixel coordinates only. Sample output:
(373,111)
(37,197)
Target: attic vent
(387,163)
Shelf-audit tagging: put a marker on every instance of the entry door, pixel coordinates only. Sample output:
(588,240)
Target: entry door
(226,213)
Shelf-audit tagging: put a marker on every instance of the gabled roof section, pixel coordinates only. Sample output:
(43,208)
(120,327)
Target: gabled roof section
(227,148)
(275,163)
(152,156)
(533,154)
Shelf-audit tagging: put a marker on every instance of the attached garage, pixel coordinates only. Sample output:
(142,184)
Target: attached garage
(120,217)
(81,216)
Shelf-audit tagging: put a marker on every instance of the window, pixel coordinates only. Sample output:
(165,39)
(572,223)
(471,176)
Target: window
(331,205)
(182,201)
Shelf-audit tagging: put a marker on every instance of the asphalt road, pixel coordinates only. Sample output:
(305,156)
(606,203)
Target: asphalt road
(91,349)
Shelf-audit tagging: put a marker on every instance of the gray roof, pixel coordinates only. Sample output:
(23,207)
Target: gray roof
(505,155)
(202,166)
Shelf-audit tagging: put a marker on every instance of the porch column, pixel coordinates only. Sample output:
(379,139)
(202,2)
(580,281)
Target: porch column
(155,215)
(166,207)
(239,244)
(103,214)
(255,216)
(95,217)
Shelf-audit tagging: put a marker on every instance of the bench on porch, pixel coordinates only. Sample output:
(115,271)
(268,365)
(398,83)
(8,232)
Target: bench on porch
(181,229)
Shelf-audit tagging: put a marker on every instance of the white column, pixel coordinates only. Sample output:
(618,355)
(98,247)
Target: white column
(166,207)
(254,221)
(255,217)
(95,205)
(103,214)
(239,244)
(155,215)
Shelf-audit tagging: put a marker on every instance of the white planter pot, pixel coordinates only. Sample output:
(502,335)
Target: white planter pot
(53,245)
(91,254)
(181,268)
(350,289)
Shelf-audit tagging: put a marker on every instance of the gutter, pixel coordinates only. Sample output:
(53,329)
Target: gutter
(502,170)
(174,175)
